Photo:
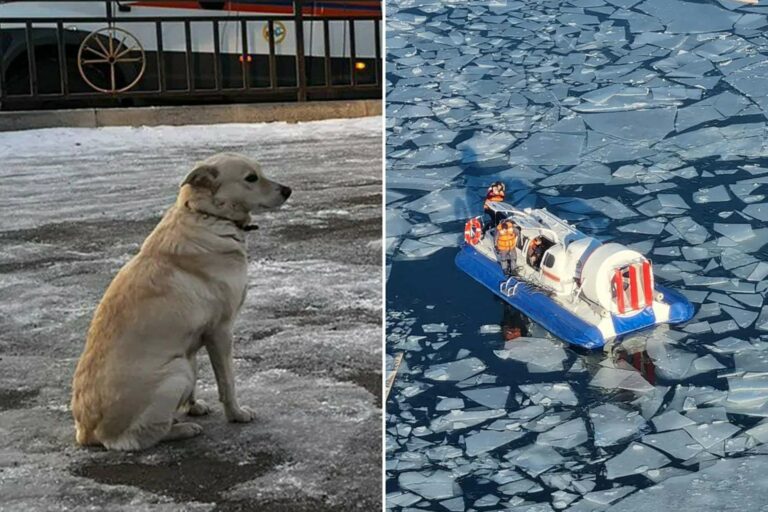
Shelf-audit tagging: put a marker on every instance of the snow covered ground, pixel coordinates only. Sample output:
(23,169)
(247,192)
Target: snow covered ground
(76,203)
(637,120)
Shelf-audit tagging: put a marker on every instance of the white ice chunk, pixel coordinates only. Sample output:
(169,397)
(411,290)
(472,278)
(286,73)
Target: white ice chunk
(489,500)
(435,485)
(566,435)
(546,422)
(710,434)
(688,229)
(736,232)
(550,394)
(545,148)
(733,483)
(488,440)
(636,125)
(671,362)
(534,459)
(613,424)
(647,227)
(447,404)
(620,378)
(540,354)
(636,458)
(604,498)
(493,398)
(458,420)
(757,211)
(716,194)
(670,420)
(455,370)
(676,443)
(415,249)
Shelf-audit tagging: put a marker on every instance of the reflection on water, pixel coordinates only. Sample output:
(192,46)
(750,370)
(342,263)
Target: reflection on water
(513,323)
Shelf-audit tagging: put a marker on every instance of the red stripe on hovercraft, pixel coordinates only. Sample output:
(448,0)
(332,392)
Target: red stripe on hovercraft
(619,284)
(634,298)
(647,285)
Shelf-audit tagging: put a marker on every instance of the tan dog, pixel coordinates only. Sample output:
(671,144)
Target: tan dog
(181,292)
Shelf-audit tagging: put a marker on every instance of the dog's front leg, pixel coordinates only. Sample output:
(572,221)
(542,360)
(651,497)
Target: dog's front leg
(219,346)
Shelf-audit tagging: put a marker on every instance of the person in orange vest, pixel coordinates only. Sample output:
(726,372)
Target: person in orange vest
(495,194)
(506,238)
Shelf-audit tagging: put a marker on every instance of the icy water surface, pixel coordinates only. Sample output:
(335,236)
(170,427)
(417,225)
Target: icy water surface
(639,121)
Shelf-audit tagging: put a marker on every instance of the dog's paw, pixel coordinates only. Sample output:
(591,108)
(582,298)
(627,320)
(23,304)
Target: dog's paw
(241,415)
(184,430)
(199,408)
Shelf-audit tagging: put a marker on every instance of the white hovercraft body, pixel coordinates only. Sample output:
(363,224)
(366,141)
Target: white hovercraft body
(608,287)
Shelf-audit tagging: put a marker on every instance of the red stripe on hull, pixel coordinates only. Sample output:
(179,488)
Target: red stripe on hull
(647,285)
(619,284)
(331,12)
(634,298)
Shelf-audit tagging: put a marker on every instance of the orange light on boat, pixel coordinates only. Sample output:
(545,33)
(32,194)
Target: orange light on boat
(246,58)
(359,66)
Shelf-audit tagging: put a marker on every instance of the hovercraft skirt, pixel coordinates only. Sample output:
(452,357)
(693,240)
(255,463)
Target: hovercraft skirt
(536,305)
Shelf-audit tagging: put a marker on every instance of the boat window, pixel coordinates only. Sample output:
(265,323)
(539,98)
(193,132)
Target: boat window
(549,260)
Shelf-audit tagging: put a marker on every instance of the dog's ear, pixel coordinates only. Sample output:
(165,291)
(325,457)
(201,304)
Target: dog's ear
(203,176)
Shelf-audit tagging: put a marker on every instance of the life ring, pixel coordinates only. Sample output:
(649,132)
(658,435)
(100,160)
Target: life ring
(473,231)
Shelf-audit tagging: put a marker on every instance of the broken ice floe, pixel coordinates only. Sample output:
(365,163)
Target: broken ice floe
(540,354)
(612,424)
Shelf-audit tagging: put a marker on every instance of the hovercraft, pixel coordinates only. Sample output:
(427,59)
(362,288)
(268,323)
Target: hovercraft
(583,291)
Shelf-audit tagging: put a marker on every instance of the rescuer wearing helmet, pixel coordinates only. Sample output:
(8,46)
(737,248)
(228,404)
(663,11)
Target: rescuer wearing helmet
(506,238)
(495,194)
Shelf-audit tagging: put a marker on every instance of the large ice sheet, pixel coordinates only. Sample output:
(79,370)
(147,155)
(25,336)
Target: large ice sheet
(727,484)
(613,424)
(566,435)
(494,398)
(643,125)
(549,394)
(635,459)
(459,420)
(676,443)
(455,370)
(433,485)
(488,440)
(540,354)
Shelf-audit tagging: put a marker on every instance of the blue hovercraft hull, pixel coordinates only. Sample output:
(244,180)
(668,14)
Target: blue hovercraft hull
(549,314)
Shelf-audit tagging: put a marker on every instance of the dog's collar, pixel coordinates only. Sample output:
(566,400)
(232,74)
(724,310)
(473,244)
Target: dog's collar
(250,227)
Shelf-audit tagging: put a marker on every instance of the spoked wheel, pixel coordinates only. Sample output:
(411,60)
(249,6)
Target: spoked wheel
(111,60)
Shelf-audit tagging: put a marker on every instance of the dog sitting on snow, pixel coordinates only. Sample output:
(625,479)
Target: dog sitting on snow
(180,293)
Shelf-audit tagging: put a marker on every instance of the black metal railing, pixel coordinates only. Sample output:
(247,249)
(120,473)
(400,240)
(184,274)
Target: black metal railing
(52,62)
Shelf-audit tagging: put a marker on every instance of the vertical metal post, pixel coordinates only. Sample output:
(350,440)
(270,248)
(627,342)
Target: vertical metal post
(298,11)
(272,66)
(216,55)
(352,53)
(327,54)
(377,35)
(3,67)
(160,57)
(245,55)
(63,78)
(188,55)
(31,60)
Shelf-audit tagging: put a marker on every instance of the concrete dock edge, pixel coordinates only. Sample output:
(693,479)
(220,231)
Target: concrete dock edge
(188,114)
